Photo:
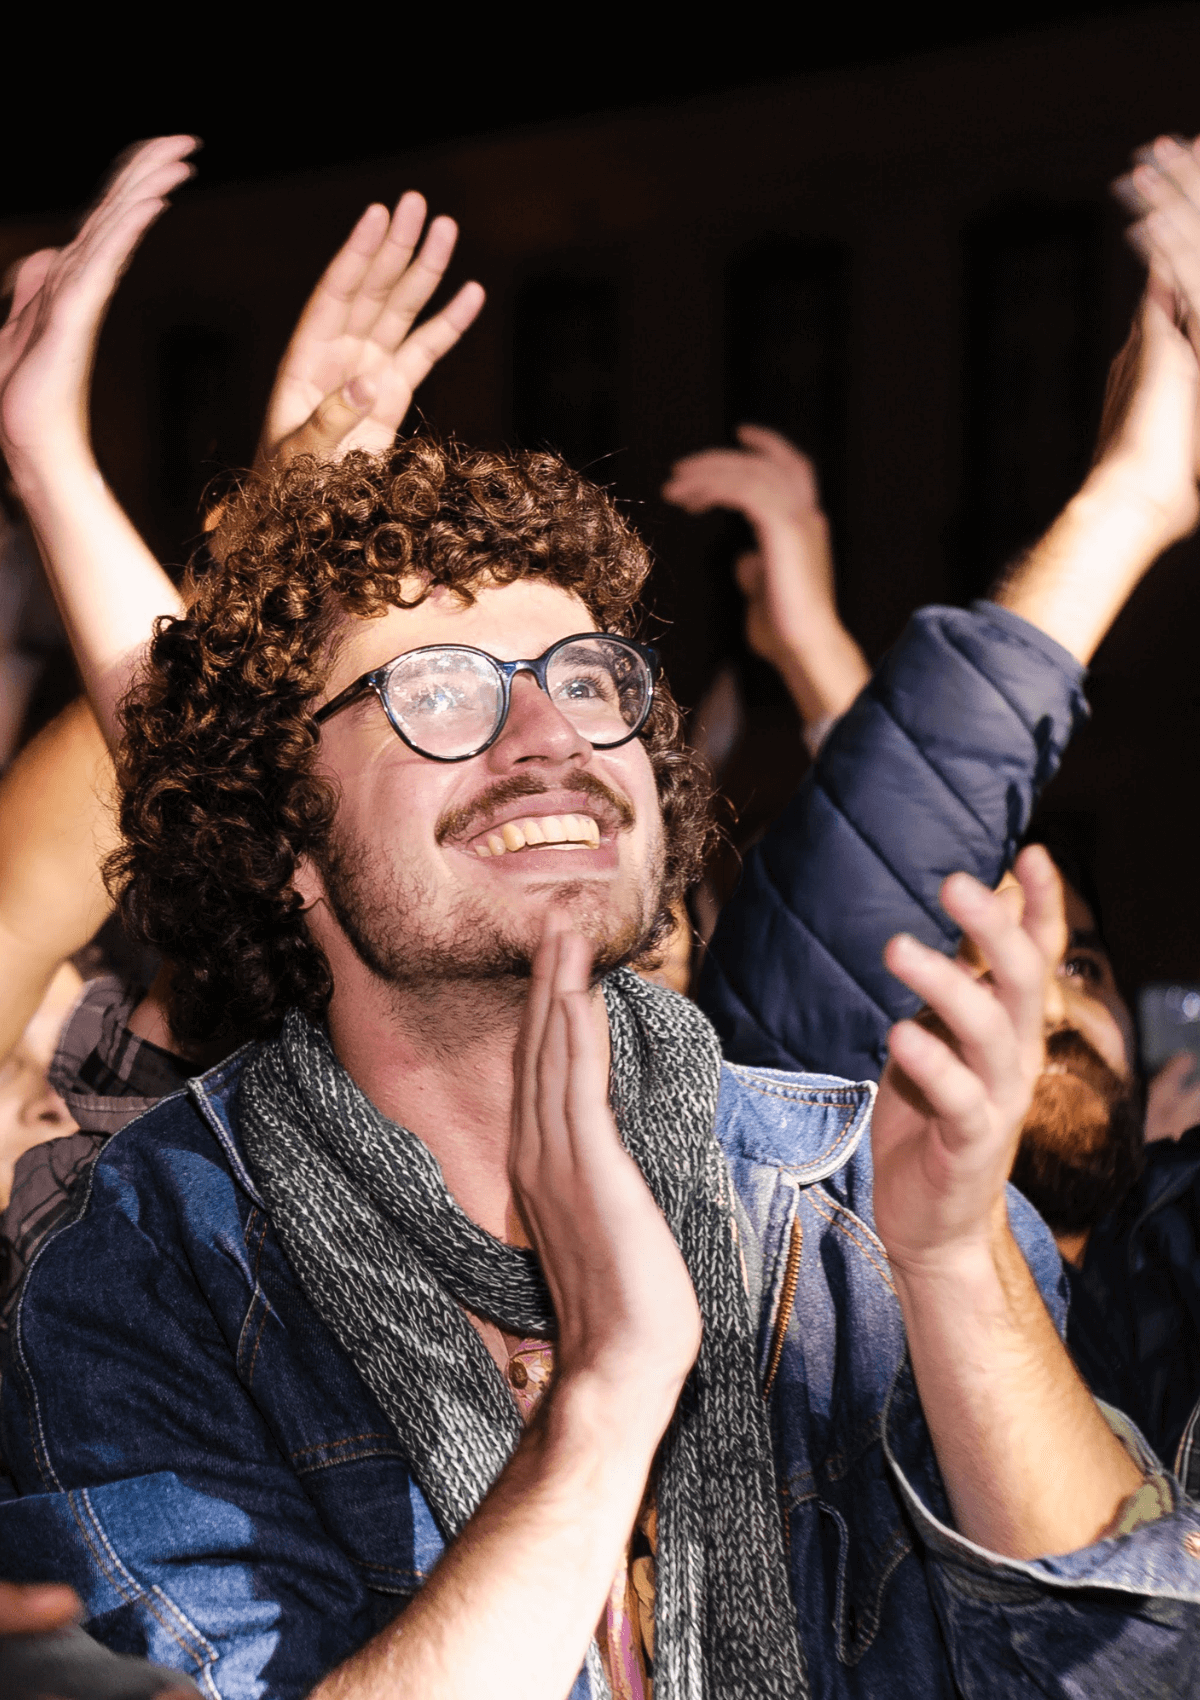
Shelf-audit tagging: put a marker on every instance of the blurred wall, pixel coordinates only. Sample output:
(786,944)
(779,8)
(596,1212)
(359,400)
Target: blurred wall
(914,268)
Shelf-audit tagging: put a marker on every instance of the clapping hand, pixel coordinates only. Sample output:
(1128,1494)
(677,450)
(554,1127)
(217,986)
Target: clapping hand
(60,297)
(628,1321)
(349,373)
(952,1101)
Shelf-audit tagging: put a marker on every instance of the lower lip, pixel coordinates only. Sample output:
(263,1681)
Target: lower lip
(578,858)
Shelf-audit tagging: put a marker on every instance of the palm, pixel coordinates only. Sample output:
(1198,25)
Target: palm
(61,295)
(359,325)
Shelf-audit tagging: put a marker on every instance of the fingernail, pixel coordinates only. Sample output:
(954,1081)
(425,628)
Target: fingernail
(358,394)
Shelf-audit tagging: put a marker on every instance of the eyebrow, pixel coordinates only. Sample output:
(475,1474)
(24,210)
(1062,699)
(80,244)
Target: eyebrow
(1086,938)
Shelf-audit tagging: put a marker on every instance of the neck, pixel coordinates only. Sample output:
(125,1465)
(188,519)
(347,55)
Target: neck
(437,1057)
(1071,1247)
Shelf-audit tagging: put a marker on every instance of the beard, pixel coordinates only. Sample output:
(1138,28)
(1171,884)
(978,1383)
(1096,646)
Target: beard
(1081,1145)
(392,924)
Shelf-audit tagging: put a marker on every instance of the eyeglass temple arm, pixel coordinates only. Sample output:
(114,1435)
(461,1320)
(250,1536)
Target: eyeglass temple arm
(359,688)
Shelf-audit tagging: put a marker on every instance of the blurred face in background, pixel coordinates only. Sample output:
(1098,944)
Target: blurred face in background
(30,1111)
(1081,1146)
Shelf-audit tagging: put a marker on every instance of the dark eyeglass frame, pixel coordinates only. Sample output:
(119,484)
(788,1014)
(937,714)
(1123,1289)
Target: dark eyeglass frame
(378,678)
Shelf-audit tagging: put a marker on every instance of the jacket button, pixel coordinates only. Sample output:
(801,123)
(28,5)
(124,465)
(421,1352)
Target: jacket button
(1191,1545)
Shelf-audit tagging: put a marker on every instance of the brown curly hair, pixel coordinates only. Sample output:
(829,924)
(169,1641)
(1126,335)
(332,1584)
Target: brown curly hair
(219,794)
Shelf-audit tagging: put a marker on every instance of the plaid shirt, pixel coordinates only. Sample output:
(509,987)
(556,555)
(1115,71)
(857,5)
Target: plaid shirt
(105,1075)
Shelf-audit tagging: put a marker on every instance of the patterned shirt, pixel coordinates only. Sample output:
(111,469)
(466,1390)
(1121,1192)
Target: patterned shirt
(105,1075)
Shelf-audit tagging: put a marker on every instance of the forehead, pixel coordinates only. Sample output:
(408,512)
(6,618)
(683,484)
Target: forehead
(511,621)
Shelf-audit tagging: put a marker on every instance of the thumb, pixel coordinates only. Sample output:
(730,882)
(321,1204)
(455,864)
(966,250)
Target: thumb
(324,432)
(749,570)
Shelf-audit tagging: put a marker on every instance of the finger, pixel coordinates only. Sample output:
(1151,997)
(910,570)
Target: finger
(1018,966)
(971,1012)
(28,275)
(28,1610)
(430,342)
(714,478)
(326,313)
(158,180)
(952,1091)
(749,570)
(139,159)
(587,1083)
(776,448)
(324,432)
(394,319)
(533,1020)
(388,267)
(1044,914)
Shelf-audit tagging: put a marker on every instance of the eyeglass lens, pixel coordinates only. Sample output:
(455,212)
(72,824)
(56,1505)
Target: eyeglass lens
(448,702)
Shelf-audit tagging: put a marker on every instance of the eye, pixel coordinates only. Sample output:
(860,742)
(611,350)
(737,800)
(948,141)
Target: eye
(1080,966)
(591,686)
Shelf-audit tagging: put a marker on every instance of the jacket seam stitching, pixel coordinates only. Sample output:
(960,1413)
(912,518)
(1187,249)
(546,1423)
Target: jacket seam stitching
(127,1585)
(346,1440)
(833,1214)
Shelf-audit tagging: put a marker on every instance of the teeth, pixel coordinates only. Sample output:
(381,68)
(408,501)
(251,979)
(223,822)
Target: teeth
(549,829)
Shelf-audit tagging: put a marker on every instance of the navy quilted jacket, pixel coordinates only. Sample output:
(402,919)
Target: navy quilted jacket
(935,767)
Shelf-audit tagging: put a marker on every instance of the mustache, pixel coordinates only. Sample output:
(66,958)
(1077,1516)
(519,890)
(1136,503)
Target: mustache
(458,821)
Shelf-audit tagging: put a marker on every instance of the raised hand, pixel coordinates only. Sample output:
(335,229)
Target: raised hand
(788,581)
(952,1101)
(348,375)
(61,295)
(627,1315)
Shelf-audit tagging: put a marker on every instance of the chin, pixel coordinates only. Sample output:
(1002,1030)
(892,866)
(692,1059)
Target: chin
(618,933)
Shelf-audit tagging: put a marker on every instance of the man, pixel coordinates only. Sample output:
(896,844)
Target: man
(381,765)
(784,935)
(396,874)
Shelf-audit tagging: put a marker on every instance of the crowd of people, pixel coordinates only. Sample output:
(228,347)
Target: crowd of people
(445,1249)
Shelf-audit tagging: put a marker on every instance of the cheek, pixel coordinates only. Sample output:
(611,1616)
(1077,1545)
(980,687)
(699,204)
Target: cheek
(1106,1028)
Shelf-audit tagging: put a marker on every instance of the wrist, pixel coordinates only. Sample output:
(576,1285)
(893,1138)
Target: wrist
(589,1410)
(1117,494)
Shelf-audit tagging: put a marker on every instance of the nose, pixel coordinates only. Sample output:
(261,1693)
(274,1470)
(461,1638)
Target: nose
(536,731)
(1056,1002)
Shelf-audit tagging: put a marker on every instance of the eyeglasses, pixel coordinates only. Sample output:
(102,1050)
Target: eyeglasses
(450,702)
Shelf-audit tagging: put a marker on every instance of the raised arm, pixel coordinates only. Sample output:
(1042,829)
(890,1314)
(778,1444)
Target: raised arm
(792,619)
(346,381)
(1030,1465)
(108,586)
(939,762)
(57,823)
(537,1560)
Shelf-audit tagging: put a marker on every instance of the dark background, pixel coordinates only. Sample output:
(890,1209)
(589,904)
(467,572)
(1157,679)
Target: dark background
(894,243)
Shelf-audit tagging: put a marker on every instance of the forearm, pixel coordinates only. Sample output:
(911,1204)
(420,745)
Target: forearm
(824,670)
(1030,1466)
(1074,582)
(57,824)
(532,1568)
(108,586)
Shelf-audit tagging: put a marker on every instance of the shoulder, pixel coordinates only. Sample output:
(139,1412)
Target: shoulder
(809,1124)
(169,1182)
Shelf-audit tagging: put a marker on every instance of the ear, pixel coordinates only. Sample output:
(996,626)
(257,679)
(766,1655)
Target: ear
(308,883)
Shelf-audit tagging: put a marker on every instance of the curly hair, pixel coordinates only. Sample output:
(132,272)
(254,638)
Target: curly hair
(220,797)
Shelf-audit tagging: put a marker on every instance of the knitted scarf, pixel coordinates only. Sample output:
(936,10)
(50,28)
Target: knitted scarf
(390,1262)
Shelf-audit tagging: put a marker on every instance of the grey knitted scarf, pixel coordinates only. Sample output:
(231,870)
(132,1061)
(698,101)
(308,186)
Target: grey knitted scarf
(389,1262)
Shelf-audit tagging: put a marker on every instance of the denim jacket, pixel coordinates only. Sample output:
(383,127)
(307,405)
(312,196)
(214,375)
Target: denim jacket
(192,1450)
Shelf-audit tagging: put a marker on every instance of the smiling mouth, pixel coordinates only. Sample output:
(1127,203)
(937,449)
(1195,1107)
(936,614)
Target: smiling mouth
(575,831)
